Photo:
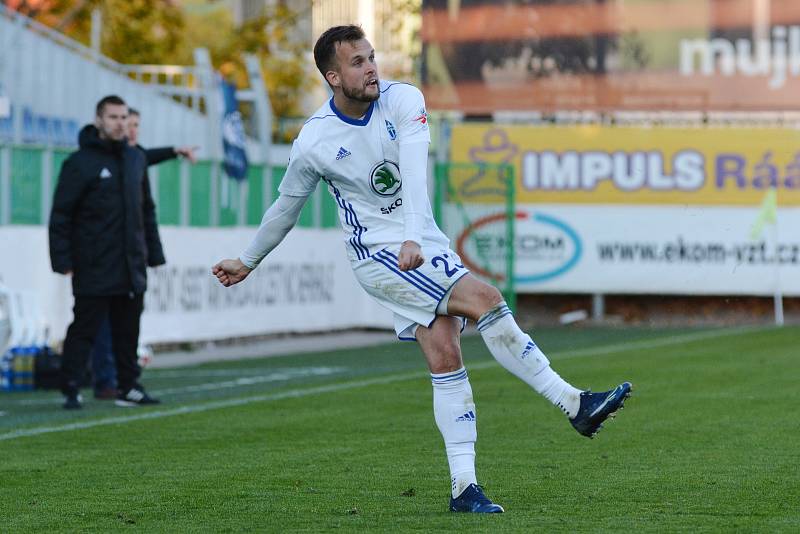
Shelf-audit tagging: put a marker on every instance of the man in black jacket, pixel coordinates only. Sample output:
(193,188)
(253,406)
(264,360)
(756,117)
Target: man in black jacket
(103,232)
(104,375)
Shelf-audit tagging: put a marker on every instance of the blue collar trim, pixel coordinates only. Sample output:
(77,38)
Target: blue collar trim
(354,122)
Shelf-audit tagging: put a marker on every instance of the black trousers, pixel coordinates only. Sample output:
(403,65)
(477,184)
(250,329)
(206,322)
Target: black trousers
(124,312)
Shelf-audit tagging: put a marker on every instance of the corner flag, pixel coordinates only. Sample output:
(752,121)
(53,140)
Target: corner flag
(768,214)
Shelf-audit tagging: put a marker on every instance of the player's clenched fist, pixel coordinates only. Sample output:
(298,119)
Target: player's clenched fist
(230,272)
(410,256)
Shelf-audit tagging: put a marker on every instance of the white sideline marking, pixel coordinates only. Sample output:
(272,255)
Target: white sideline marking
(292,393)
(276,376)
(656,342)
(331,388)
(280,376)
(212,373)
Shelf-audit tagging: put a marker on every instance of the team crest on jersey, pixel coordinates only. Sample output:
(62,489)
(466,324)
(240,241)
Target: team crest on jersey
(385,179)
(391,130)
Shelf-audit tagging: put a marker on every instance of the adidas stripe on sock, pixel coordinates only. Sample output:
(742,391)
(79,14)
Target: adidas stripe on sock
(516,351)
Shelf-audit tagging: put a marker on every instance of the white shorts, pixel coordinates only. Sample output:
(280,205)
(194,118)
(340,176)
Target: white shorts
(415,295)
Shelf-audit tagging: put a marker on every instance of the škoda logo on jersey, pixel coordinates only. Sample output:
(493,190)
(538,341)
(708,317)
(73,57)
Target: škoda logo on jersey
(385,179)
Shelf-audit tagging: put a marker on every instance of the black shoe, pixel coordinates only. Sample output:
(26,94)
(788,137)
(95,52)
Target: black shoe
(473,500)
(136,396)
(597,407)
(73,401)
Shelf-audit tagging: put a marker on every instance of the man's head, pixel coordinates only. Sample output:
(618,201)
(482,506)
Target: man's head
(347,62)
(132,127)
(110,118)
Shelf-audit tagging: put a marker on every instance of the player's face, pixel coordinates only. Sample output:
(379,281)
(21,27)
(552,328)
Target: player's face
(133,129)
(111,122)
(357,73)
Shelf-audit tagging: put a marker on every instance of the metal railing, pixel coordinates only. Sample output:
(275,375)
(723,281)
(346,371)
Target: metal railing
(197,195)
(53,81)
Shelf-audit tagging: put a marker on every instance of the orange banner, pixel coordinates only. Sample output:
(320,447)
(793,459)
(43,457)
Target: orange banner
(704,55)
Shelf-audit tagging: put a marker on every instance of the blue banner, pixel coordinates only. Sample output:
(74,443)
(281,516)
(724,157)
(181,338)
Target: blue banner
(233,138)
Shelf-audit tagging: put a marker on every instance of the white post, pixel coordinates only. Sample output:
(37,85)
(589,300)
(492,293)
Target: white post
(96,32)
(212,97)
(778,295)
(16,92)
(598,306)
(263,107)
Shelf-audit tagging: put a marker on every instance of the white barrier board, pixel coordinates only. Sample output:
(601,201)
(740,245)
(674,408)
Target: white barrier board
(305,285)
(691,250)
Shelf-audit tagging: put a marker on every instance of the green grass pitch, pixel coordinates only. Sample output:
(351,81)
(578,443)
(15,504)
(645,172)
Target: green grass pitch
(346,441)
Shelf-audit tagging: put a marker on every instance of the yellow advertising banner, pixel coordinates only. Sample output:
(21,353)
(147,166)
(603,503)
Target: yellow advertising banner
(625,165)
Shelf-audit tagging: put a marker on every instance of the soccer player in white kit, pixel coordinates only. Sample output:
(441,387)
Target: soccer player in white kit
(369,144)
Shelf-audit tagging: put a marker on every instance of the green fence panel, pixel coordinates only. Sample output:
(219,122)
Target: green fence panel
(59,157)
(200,194)
(26,193)
(169,192)
(255,194)
(277,176)
(306,219)
(26,186)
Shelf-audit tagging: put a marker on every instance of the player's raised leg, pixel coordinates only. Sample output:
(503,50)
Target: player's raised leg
(454,411)
(516,351)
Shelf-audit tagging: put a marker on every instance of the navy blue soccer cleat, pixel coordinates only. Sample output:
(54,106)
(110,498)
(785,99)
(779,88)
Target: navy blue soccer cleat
(474,501)
(597,407)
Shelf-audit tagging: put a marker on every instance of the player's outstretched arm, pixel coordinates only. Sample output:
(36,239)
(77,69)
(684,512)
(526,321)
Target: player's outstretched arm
(230,272)
(276,223)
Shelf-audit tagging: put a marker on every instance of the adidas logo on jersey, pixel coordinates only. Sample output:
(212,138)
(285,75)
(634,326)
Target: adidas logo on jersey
(343,153)
(469,416)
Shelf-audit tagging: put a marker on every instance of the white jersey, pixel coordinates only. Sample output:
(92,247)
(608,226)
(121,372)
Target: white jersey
(359,161)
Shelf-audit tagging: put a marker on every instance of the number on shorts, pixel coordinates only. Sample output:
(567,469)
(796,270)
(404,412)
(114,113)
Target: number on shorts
(444,260)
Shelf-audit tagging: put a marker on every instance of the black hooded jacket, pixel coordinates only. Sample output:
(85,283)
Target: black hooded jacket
(103,221)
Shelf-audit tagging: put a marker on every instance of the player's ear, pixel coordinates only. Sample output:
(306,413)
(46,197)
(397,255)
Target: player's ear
(333,78)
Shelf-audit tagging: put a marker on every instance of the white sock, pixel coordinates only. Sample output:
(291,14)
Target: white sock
(454,412)
(516,351)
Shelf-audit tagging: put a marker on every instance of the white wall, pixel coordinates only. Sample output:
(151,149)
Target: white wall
(305,285)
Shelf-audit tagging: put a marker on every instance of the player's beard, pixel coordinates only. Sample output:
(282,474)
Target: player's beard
(359,94)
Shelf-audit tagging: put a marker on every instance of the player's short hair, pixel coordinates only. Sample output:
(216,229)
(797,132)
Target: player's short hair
(134,111)
(325,49)
(106,100)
